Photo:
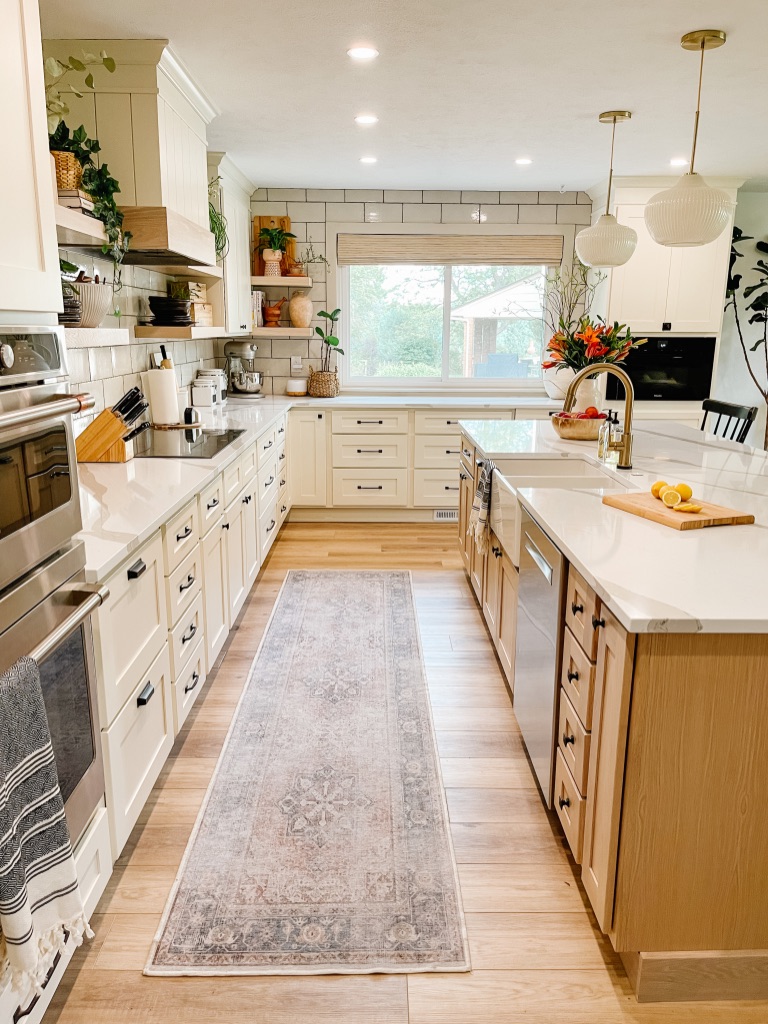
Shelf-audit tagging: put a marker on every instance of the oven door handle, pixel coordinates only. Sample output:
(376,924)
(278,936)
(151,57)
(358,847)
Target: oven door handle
(94,596)
(46,410)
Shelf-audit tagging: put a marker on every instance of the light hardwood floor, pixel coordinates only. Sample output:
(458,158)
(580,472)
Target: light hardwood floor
(537,954)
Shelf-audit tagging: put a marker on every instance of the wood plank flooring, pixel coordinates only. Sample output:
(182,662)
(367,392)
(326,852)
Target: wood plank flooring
(536,951)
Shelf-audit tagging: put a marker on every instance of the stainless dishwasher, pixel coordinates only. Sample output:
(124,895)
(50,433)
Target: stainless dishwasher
(538,643)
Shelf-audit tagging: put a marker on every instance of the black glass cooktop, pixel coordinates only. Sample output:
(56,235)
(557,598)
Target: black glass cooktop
(190,443)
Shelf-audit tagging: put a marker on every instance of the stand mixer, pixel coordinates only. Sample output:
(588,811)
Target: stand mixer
(242,380)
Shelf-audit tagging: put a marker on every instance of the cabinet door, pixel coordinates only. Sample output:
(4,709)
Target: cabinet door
(476,569)
(605,781)
(215,593)
(638,290)
(234,519)
(251,534)
(308,457)
(465,507)
(507,617)
(696,293)
(491,589)
(29,271)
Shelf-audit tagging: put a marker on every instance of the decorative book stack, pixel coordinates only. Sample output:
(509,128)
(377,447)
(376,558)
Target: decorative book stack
(76,199)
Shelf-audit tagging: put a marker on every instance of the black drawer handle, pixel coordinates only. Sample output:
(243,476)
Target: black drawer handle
(284,508)
(378,487)
(282,483)
(568,739)
(452,451)
(281,457)
(266,447)
(281,430)
(452,423)
(225,526)
(467,452)
(596,623)
(563,801)
(270,481)
(447,488)
(146,695)
(247,499)
(463,476)
(187,585)
(271,526)
(571,676)
(137,569)
(188,636)
(195,680)
(496,551)
(187,533)
(379,423)
(370,451)
(576,608)
(212,504)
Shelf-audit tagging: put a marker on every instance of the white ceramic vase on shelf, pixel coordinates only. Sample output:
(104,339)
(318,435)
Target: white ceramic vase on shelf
(271,259)
(300,309)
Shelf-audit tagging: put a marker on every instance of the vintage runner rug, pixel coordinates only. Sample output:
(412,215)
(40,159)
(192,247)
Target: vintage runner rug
(323,845)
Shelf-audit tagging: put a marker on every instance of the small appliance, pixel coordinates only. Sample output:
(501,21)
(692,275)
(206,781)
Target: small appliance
(243,380)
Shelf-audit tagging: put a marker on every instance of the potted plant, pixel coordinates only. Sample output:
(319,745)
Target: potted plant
(66,152)
(303,265)
(757,291)
(216,219)
(272,243)
(324,383)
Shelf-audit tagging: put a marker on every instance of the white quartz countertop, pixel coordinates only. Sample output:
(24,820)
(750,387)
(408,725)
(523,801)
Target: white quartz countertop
(653,578)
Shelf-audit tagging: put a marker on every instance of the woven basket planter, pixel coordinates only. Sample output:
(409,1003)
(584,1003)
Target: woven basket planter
(323,383)
(69,170)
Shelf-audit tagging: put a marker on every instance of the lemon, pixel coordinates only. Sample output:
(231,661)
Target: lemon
(670,497)
(655,488)
(687,506)
(664,488)
(685,492)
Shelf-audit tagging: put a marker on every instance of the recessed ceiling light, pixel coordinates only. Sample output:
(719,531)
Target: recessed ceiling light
(362,52)
(678,161)
(368,159)
(523,161)
(366,119)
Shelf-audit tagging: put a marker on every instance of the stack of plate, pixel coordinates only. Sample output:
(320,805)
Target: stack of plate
(170,312)
(73,310)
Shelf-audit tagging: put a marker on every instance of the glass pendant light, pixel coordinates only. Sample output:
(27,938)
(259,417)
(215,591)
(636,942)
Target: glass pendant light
(607,243)
(691,212)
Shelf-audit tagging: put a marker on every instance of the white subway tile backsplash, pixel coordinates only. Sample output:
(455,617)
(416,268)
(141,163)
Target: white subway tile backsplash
(506,214)
(287,194)
(341,213)
(557,197)
(381,213)
(537,215)
(113,390)
(394,195)
(306,211)
(78,364)
(269,208)
(519,197)
(100,363)
(441,196)
(284,348)
(583,198)
(121,359)
(364,195)
(479,197)
(325,195)
(575,214)
(422,213)
(459,213)
(260,195)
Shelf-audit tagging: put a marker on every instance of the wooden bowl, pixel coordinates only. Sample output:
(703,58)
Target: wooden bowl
(577,430)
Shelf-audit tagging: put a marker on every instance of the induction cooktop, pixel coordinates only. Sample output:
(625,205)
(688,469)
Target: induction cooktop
(190,443)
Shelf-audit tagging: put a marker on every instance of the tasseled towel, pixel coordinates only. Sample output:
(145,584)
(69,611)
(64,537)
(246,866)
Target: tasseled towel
(480,516)
(40,903)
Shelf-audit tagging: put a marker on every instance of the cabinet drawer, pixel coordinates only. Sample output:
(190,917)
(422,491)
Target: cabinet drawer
(233,481)
(282,480)
(280,430)
(581,606)
(130,628)
(438,422)
(265,447)
(370,450)
(370,487)
(577,677)
(184,636)
(570,806)
(268,485)
(210,505)
(283,508)
(573,740)
(183,585)
(468,456)
(249,460)
(135,748)
(438,451)
(179,537)
(370,422)
(186,688)
(436,488)
(282,457)
(268,528)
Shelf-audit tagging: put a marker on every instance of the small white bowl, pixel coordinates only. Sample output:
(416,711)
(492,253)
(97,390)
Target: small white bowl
(296,387)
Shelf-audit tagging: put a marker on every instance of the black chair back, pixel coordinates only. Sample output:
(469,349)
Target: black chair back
(733,421)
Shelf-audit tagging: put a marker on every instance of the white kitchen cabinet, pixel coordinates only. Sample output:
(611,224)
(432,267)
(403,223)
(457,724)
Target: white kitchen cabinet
(237,578)
(29,268)
(251,533)
(232,299)
(308,456)
(215,592)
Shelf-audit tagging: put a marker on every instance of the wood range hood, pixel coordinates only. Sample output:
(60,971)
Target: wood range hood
(161,236)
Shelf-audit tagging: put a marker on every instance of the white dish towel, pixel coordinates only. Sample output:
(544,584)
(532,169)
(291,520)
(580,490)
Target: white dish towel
(480,516)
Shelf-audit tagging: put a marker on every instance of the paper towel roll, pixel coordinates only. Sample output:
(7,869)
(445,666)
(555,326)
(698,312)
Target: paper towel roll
(160,388)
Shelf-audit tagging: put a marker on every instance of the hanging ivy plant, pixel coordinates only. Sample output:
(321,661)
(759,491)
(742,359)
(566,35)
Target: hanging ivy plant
(217,220)
(103,188)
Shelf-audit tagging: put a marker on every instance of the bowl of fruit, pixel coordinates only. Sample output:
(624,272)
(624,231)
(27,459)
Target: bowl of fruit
(579,426)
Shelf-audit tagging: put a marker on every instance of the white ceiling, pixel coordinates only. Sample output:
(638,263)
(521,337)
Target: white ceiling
(462,87)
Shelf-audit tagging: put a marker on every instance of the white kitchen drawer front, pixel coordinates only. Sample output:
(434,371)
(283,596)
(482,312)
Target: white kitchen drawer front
(186,688)
(282,457)
(131,627)
(370,487)
(210,505)
(183,638)
(183,585)
(215,593)
(282,479)
(370,450)
(437,451)
(281,431)
(370,422)
(136,746)
(233,481)
(93,861)
(283,508)
(436,488)
(180,536)
(266,446)
(448,421)
(268,527)
(249,461)
(268,484)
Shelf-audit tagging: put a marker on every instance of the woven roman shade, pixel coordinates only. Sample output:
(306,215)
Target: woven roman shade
(462,250)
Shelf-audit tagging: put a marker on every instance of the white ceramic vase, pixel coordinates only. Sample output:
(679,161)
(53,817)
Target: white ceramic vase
(300,309)
(271,259)
(96,302)
(556,383)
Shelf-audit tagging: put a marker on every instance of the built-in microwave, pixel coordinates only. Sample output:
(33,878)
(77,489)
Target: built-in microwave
(668,370)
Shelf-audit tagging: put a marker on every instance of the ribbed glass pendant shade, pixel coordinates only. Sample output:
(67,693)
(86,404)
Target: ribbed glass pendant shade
(606,244)
(690,213)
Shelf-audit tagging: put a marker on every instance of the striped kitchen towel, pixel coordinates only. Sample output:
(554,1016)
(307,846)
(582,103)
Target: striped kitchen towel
(480,516)
(40,901)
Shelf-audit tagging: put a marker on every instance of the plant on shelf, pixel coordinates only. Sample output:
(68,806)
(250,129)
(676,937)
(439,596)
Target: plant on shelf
(57,70)
(272,244)
(324,383)
(77,143)
(306,260)
(216,219)
(757,291)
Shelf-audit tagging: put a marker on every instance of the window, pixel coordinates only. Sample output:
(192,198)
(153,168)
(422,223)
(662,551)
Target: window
(444,323)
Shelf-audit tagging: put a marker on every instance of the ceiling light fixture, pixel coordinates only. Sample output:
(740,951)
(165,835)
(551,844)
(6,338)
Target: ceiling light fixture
(366,119)
(362,52)
(523,161)
(368,159)
(691,212)
(607,243)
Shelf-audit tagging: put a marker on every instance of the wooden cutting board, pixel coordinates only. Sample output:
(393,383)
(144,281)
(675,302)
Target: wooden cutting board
(648,507)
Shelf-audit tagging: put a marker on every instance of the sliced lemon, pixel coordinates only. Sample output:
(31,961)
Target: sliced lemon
(670,497)
(685,492)
(655,488)
(687,506)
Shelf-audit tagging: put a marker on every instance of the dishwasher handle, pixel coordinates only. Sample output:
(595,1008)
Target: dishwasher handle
(539,559)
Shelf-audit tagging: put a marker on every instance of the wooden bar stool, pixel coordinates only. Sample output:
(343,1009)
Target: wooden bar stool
(735,419)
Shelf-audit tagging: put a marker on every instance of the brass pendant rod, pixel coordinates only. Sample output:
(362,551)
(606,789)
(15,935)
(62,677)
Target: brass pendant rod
(698,109)
(610,171)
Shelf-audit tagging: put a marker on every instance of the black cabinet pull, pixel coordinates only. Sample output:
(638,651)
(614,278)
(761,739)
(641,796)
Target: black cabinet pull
(370,451)
(266,447)
(568,739)
(563,801)
(379,423)
(452,451)
(270,481)
(247,499)
(447,488)
(225,526)
(146,695)
(572,676)
(284,508)
(281,430)
(271,527)
(597,622)
(187,585)
(195,680)
(467,452)
(378,487)
(281,457)
(282,483)
(137,569)
(187,533)
(496,551)
(452,423)
(188,636)
(212,504)
(576,608)
(463,476)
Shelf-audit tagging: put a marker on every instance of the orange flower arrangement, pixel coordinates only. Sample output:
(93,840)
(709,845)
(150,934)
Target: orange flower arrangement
(591,342)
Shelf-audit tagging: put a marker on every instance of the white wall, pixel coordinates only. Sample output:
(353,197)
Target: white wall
(732,381)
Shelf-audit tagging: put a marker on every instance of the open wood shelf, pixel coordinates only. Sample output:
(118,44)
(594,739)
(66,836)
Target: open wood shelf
(178,333)
(281,282)
(75,228)
(282,332)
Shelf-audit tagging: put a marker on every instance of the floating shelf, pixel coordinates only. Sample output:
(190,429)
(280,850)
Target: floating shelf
(178,333)
(282,332)
(202,274)
(75,228)
(96,337)
(281,282)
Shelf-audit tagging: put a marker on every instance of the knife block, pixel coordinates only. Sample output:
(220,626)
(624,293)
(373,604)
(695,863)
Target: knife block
(102,440)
